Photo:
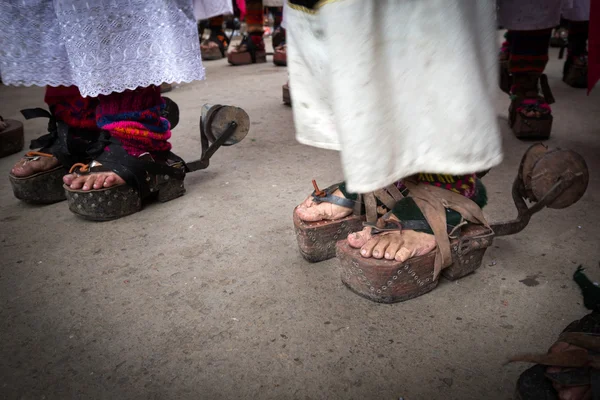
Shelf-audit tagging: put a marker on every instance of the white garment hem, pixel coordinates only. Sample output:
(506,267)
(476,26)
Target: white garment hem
(449,169)
(322,145)
(104,90)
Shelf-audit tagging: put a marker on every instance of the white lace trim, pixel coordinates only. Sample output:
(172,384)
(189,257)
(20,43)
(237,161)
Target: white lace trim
(101,46)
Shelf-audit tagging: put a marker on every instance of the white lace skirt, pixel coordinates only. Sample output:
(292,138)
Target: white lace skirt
(102,46)
(399,86)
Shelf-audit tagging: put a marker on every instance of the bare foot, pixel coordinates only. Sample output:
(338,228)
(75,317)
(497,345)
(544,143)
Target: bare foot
(208,45)
(399,246)
(27,166)
(96,180)
(282,49)
(568,392)
(535,114)
(310,211)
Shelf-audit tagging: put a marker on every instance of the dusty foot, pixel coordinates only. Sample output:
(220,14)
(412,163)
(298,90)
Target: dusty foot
(533,113)
(96,180)
(208,45)
(310,211)
(534,108)
(27,166)
(571,392)
(243,46)
(399,246)
(211,44)
(281,49)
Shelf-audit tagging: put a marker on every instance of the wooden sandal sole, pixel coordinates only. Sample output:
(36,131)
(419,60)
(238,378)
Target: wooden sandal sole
(287,98)
(576,77)
(212,54)
(530,128)
(245,58)
(12,138)
(41,188)
(118,201)
(317,240)
(390,281)
(280,59)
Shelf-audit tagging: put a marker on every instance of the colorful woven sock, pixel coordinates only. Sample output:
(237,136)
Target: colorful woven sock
(529,51)
(461,184)
(69,106)
(254,15)
(134,118)
(578,37)
(216,23)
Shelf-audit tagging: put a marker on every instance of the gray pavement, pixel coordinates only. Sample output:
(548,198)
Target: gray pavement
(207,297)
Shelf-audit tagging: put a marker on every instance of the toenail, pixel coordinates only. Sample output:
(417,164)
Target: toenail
(363,252)
(387,255)
(376,253)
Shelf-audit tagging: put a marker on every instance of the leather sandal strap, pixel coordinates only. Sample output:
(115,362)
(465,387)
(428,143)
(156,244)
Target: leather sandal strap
(433,202)
(326,196)
(388,196)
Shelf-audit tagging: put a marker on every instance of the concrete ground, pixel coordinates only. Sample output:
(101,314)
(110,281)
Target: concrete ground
(207,297)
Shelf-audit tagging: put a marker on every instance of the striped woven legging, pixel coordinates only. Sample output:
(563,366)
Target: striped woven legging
(528,50)
(254,16)
(133,116)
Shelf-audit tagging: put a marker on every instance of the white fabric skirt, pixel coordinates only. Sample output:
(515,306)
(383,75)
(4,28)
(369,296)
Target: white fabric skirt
(398,86)
(102,46)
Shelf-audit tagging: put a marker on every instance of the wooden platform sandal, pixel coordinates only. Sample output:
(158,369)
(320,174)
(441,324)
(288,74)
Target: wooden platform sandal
(526,97)
(578,364)
(280,55)
(316,240)
(68,145)
(287,98)
(247,52)
(12,137)
(554,179)
(146,178)
(215,53)
(575,72)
